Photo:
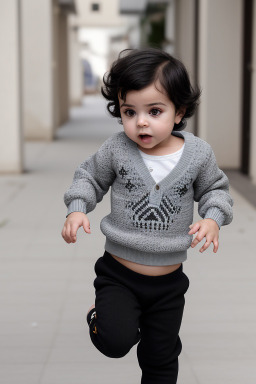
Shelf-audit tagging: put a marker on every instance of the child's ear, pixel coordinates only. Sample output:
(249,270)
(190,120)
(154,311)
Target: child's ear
(179,114)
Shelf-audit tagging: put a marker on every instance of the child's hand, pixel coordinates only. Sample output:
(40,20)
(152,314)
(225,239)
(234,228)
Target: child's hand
(74,221)
(206,228)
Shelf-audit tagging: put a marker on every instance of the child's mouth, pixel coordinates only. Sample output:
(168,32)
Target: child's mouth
(145,138)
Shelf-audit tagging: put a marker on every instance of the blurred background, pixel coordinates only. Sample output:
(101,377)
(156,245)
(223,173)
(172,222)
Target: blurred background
(54,54)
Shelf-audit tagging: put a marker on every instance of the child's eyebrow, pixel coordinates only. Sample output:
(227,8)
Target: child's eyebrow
(157,103)
(146,105)
(127,105)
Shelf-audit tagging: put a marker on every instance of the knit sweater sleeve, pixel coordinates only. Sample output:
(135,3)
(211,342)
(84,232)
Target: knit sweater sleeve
(91,181)
(211,191)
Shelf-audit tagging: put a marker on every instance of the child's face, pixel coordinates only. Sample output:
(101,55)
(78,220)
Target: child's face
(148,117)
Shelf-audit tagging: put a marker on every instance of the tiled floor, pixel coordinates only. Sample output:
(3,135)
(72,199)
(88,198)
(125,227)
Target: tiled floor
(46,285)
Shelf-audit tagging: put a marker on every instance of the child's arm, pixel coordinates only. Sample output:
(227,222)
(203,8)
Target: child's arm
(91,182)
(73,222)
(211,191)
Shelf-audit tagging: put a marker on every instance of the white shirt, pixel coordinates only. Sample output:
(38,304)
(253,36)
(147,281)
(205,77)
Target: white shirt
(161,166)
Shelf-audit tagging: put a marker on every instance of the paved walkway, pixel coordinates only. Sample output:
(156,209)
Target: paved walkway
(46,285)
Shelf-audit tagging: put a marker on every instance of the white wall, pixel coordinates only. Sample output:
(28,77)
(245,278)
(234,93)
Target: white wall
(220,77)
(11,138)
(37,68)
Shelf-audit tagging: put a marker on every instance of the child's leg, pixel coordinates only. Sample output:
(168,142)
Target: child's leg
(160,344)
(114,331)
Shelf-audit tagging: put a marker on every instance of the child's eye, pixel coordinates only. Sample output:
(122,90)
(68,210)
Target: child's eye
(129,112)
(155,112)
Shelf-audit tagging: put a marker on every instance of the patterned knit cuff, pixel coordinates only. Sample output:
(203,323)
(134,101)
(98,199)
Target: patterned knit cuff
(216,214)
(77,205)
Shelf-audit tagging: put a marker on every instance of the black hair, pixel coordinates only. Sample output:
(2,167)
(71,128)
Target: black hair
(136,69)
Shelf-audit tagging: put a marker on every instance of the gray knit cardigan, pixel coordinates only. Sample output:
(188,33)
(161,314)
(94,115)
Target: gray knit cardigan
(149,222)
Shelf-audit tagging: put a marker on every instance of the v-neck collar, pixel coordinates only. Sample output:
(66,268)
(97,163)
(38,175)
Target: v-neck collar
(176,172)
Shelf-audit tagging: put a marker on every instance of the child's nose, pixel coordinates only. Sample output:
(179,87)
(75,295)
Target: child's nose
(142,121)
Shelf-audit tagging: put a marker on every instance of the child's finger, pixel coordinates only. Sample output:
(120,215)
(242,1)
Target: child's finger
(199,237)
(195,242)
(205,246)
(194,228)
(65,234)
(73,230)
(86,226)
(215,246)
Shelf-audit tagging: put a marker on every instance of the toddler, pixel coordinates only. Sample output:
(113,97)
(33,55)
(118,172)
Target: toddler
(156,171)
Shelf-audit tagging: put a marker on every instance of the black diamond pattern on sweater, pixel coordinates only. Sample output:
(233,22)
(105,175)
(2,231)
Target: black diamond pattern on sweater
(150,217)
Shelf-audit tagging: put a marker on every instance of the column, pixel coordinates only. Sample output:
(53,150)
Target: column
(220,77)
(38,68)
(75,68)
(11,140)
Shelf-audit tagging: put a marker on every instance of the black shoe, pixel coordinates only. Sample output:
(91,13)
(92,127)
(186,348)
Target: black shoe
(91,317)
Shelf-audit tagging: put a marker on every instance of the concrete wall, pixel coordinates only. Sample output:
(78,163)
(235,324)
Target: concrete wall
(107,16)
(185,42)
(11,137)
(185,34)
(253,105)
(220,76)
(75,68)
(37,68)
(55,65)
(170,26)
(45,68)
(63,69)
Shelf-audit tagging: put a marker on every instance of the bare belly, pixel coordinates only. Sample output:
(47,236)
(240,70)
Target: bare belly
(150,270)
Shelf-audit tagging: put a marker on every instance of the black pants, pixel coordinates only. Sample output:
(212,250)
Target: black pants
(131,308)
